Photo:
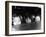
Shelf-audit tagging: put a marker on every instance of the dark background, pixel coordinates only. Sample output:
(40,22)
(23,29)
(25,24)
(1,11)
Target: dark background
(25,11)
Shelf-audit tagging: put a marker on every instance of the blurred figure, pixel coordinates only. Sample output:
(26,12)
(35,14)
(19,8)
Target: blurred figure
(28,20)
(16,23)
(33,18)
(38,22)
(37,19)
(16,20)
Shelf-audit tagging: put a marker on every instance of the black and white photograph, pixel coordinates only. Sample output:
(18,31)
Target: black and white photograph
(25,18)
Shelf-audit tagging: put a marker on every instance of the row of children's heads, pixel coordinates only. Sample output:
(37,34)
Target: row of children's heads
(26,16)
(31,17)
